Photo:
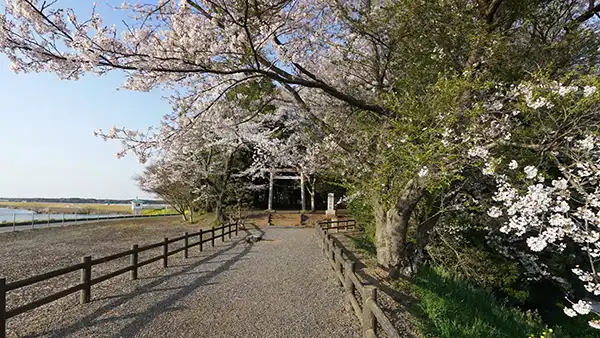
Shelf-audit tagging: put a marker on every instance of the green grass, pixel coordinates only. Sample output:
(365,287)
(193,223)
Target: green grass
(452,308)
(156,212)
(363,242)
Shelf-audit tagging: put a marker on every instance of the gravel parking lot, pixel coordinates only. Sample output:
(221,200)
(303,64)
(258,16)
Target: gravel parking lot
(279,287)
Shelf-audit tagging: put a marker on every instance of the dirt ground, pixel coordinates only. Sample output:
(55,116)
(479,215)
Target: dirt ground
(28,253)
(290,218)
(31,252)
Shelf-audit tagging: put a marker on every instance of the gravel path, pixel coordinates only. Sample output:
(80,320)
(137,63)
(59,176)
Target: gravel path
(279,287)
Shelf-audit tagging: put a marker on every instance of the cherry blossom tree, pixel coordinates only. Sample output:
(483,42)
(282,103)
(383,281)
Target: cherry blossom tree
(405,89)
(547,185)
(156,179)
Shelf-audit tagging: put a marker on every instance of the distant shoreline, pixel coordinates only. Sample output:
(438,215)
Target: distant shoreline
(69,208)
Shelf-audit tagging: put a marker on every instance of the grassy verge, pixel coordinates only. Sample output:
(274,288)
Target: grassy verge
(448,307)
(157,212)
(452,308)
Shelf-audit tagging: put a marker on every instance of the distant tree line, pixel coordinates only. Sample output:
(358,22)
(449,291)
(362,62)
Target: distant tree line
(77,200)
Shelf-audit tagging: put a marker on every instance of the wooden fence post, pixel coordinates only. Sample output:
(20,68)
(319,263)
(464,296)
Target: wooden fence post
(369,324)
(324,241)
(331,249)
(86,276)
(338,264)
(222,233)
(166,252)
(348,285)
(2,307)
(200,240)
(229,230)
(185,243)
(236,228)
(212,240)
(134,262)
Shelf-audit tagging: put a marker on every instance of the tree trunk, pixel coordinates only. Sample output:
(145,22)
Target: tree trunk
(381,243)
(219,212)
(181,210)
(397,223)
(312,193)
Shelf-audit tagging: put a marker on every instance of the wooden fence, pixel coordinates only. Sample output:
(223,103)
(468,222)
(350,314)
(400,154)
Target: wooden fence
(85,268)
(365,306)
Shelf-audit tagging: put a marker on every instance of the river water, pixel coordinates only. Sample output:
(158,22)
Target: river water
(20,215)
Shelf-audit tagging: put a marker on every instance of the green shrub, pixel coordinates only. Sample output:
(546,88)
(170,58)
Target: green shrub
(362,212)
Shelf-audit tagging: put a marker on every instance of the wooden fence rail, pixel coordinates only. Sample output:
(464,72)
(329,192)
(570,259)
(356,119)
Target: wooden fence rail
(369,314)
(87,263)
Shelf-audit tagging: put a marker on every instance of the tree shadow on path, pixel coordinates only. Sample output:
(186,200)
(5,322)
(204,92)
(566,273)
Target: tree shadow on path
(141,319)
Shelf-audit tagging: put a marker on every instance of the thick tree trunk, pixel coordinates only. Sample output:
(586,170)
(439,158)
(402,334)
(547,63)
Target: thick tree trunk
(208,206)
(312,202)
(219,212)
(397,223)
(381,242)
(191,215)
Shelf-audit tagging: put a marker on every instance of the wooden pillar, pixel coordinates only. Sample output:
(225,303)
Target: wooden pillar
(338,264)
(2,307)
(212,240)
(186,244)
(200,240)
(166,252)
(348,284)
(134,262)
(302,194)
(271,181)
(86,278)
(369,324)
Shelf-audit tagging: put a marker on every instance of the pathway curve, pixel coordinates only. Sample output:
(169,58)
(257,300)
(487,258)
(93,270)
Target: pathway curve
(279,287)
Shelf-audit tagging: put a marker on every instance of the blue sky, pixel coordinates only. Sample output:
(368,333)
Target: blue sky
(47,146)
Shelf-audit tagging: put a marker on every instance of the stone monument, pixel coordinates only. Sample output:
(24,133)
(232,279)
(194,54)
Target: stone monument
(330,204)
